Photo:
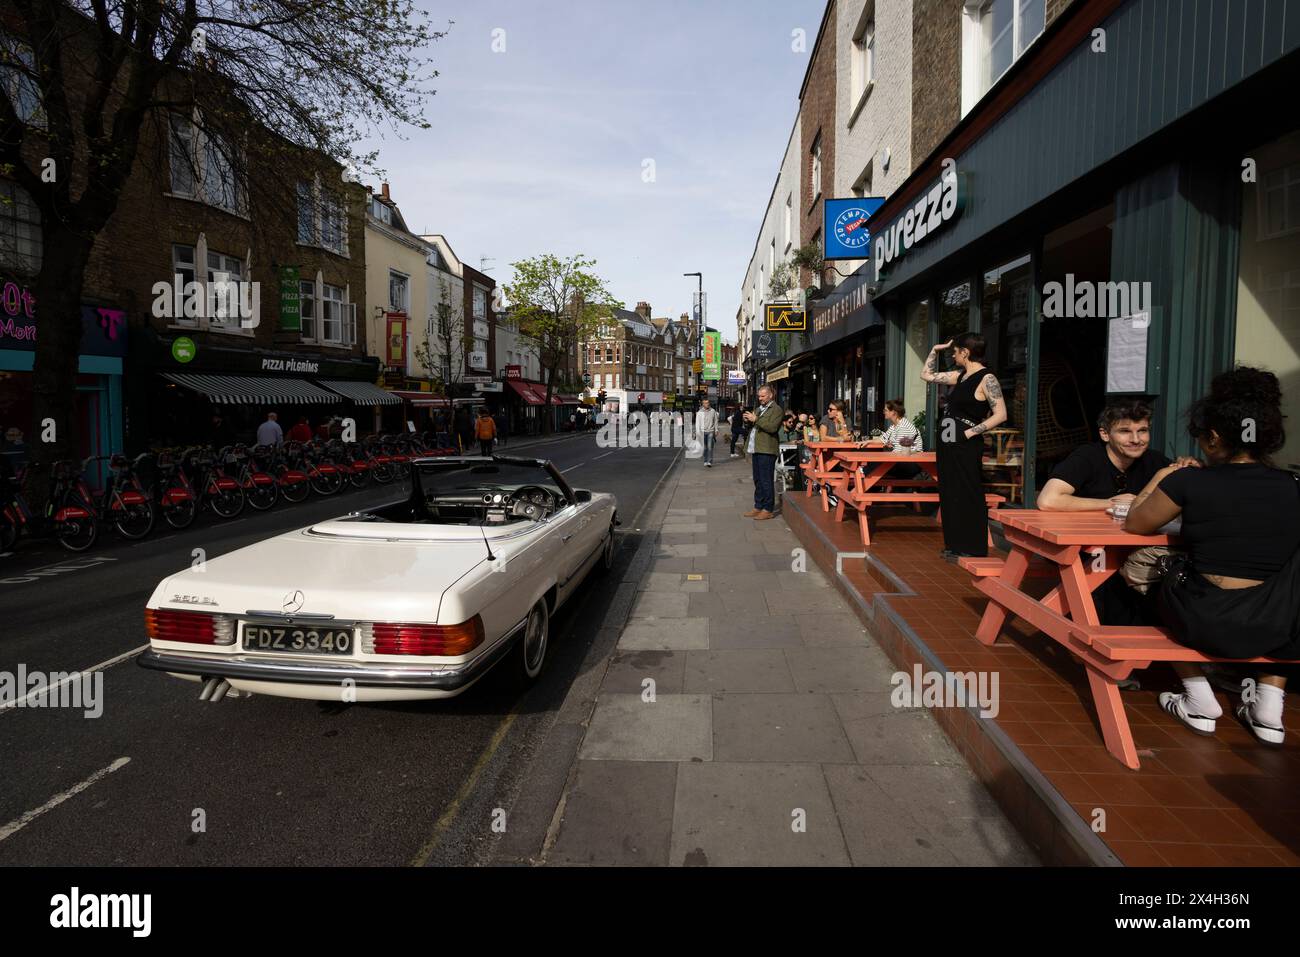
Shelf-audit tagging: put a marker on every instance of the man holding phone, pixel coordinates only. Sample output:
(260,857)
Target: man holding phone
(764,443)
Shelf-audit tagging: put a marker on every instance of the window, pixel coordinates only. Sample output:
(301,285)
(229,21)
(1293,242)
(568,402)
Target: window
(771,258)
(307,308)
(321,219)
(995,34)
(862,61)
(18,80)
(203,167)
(816,188)
(862,186)
(789,210)
(332,324)
(398,288)
(224,268)
(1279,202)
(381,211)
(20,229)
(480,302)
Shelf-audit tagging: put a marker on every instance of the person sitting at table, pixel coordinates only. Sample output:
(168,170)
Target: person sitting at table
(789,431)
(1240,527)
(834,427)
(901,432)
(1102,475)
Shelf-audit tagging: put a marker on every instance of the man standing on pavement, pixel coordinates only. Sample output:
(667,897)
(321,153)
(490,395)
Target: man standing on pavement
(737,431)
(763,446)
(269,432)
(706,426)
(485,430)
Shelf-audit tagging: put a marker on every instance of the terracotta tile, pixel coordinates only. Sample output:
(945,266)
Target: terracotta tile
(1075,788)
(1092,758)
(1117,789)
(1189,855)
(1136,853)
(1059,733)
(1153,824)
(1170,791)
(1244,856)
(1021,732)
(1212,825)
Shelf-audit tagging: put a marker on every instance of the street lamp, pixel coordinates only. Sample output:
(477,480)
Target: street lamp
(699,328)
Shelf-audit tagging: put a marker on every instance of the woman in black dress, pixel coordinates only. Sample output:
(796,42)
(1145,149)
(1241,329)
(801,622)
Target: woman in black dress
(973,405)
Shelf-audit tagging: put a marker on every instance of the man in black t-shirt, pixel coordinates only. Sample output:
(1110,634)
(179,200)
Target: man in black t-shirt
(1098,476)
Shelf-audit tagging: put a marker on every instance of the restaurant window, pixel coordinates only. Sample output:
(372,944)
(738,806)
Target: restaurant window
(20,229)
(954,317)
(917,349)
(1268,281)
(228,269)
(995,33)
(1004,323)
(332,309)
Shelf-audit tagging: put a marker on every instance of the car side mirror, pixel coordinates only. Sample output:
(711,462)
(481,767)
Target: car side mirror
(581,495)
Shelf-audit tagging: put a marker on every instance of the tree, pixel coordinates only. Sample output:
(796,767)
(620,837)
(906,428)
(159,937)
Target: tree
(442,350)
(559,305)
(87,82)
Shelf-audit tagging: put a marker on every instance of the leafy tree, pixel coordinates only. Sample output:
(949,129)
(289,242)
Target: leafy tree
(559,305)
(89,85)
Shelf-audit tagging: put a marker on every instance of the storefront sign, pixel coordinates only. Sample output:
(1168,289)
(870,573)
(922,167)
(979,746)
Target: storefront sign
(844,224)
(184,349)
(712,356)
(103,329)
(514,372)
(290,365)
(290,300)
(933,210)
(395,351)
(478,360)
(844,312)
(784,317)
(735,377)
(491,387)
(476,379)
(765,346)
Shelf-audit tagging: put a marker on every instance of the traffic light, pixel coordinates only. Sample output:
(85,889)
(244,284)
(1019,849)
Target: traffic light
(600,399)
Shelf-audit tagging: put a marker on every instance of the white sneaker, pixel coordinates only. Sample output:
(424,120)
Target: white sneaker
(708,465)
(1263,733)
(1176,704)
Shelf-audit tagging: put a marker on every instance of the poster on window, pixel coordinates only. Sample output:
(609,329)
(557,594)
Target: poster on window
(395,354)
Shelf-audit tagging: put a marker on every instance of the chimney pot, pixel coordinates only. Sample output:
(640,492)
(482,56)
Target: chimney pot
(384,186)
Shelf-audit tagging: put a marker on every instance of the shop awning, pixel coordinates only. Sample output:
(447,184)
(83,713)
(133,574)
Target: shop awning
(527,392)
(423,399)
(362,393)
(253,389)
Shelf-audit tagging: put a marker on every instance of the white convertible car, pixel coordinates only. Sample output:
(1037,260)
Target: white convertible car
(412,600)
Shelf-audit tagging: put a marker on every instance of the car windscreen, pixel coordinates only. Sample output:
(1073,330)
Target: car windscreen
(438,479)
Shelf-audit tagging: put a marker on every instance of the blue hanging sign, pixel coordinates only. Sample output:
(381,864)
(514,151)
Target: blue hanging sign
(845,226)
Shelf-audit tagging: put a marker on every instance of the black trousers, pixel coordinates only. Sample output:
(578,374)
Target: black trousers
(961,496)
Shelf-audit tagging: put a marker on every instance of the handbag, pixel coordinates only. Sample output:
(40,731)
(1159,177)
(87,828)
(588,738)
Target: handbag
(1257,622)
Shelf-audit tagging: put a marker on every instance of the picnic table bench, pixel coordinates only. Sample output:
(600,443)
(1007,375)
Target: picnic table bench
(859,488)
(1081,550)
(822,468)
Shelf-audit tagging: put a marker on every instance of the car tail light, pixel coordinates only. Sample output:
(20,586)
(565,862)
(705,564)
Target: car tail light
(392,638)
(163,624)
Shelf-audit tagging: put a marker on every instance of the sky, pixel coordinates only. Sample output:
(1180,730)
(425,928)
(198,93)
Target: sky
(547,145)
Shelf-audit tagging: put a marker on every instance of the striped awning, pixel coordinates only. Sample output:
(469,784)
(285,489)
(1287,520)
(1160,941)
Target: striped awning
(362,393)
(253,389)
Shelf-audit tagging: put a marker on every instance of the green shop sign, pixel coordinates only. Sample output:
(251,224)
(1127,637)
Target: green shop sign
(290,303)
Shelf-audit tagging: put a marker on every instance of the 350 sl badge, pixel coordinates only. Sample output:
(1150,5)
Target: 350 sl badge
(193,600)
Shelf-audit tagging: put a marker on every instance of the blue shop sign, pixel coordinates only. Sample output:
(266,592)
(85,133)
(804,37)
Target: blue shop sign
(844,225)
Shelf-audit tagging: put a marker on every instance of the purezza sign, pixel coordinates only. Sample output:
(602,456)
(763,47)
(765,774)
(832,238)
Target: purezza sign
(932,211)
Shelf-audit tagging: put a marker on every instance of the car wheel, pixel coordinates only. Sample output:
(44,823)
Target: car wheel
(607,553)
(529,656)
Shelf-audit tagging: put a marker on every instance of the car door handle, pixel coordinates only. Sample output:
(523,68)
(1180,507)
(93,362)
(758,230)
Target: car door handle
(565,538)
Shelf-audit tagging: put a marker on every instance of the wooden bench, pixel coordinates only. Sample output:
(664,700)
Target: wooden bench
(992,567)
(861,502)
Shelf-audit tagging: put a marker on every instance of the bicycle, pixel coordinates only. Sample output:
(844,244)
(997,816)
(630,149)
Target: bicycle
(285,462)
(77,511)
(215,489)
(259,486)
(172,492)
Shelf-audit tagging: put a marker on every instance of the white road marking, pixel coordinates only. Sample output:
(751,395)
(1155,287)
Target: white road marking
(572,467)
(16,825)
(75,676)
(607,453)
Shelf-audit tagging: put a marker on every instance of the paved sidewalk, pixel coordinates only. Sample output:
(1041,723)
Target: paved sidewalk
(746,718)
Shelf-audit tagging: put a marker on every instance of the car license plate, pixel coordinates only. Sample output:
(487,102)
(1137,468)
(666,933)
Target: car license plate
(297,639)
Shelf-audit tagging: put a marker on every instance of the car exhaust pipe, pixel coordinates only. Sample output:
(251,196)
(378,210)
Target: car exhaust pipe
(214,689)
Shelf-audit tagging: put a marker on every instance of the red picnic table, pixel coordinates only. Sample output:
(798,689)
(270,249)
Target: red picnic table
(1081,549)
(860,488)
(824,467)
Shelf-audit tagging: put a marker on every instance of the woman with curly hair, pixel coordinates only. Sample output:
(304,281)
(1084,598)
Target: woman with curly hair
(1241,530)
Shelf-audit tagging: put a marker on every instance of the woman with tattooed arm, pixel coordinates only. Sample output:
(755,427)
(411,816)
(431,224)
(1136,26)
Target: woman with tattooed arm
(973,405)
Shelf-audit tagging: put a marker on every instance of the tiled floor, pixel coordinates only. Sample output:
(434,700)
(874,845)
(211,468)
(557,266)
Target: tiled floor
(1195,801)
